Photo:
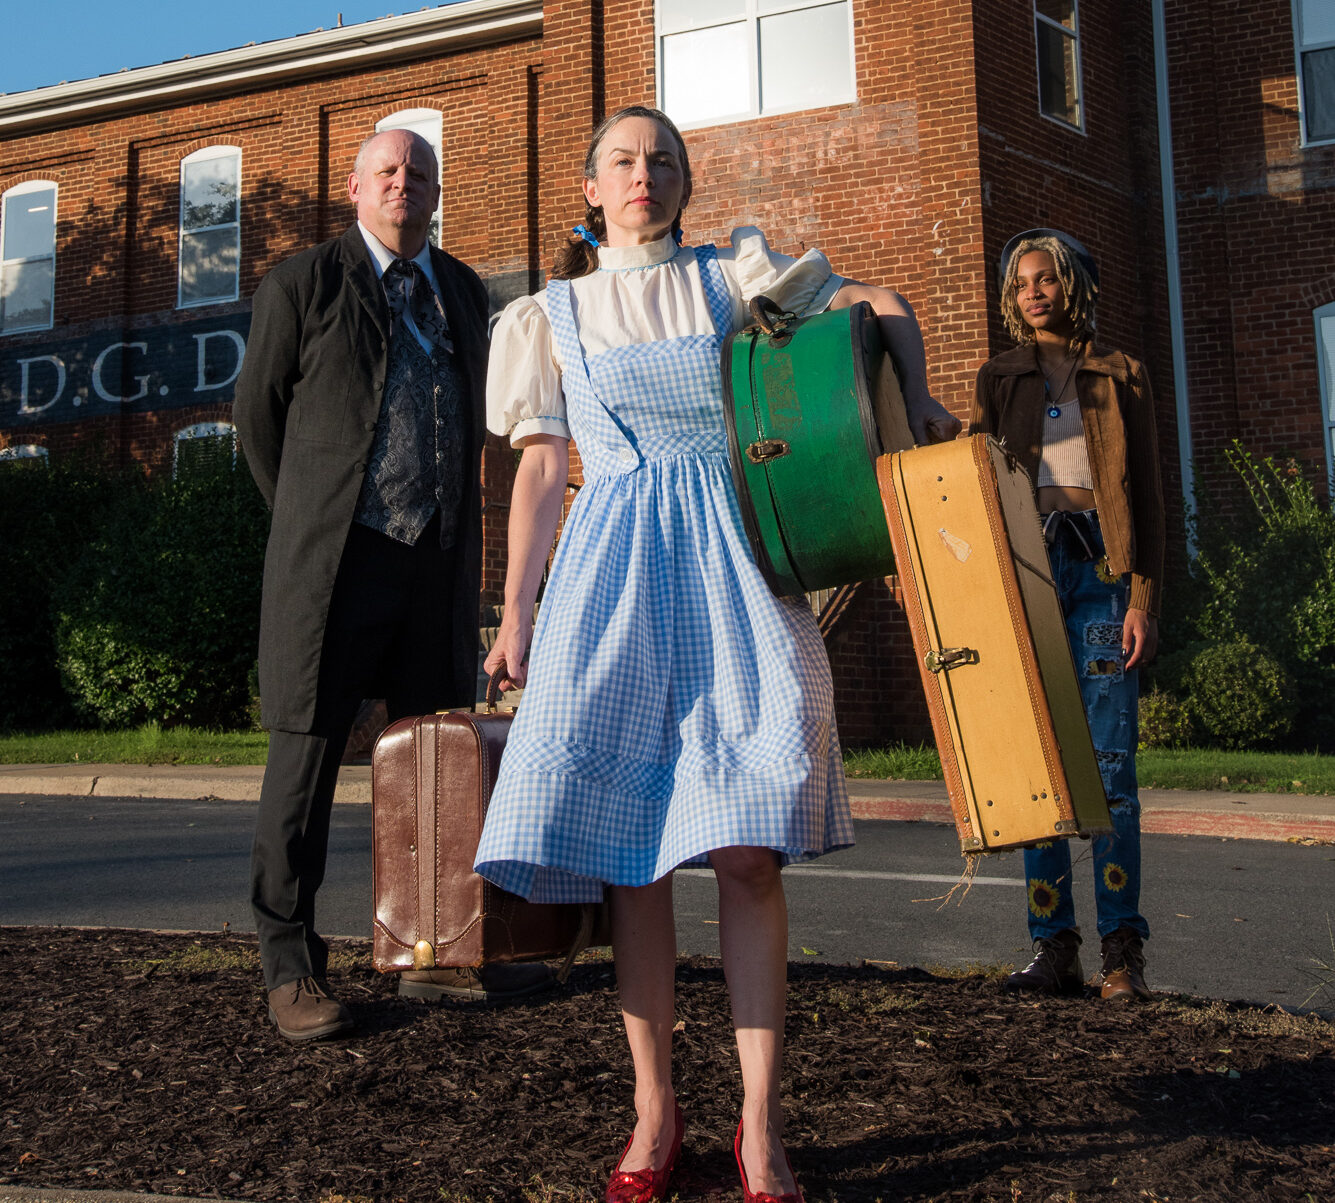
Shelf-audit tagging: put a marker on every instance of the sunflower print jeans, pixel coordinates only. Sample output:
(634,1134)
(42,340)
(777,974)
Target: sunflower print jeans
(1094,605)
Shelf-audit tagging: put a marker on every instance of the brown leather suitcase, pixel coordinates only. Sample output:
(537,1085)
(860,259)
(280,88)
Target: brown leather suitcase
(431,779)
(991,645)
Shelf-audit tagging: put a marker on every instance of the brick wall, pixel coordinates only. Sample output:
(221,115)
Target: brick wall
(916,184)
(119,203)
(1257,220)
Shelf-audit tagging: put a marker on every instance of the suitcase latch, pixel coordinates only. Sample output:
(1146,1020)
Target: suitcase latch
(424,956)
(766,450)
(949,657)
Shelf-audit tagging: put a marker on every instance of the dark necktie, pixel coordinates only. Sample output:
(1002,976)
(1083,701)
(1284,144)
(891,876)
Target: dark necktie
(407,288)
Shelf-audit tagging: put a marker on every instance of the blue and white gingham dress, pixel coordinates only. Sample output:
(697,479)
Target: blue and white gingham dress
(674,705)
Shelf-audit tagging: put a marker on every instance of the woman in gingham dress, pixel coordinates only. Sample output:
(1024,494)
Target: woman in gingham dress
(675,711)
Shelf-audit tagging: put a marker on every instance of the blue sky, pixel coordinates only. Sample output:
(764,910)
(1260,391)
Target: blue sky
(47,41)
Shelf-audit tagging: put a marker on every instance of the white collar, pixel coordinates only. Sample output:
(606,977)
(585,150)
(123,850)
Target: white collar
(648,254)
(383,256)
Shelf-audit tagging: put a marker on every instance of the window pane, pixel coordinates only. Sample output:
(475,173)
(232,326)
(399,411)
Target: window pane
(1328,366)
(26,303)
(205,454)
(705,75)
(209,192)
(805,59)
(208,266)
(1319,94)
(675,16)
(1057,74)
(1316,21)
(1061,11)
(30,224)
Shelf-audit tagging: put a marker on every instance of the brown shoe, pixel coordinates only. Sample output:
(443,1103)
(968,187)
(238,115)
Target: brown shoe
(490,984)
(1122,977)
(305,1010)
(1055,968)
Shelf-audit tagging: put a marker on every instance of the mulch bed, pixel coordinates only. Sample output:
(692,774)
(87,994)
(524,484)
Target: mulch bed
(140,1061)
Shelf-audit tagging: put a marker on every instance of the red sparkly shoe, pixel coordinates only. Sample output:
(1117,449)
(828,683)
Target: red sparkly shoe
(751,1196)
(644,1186)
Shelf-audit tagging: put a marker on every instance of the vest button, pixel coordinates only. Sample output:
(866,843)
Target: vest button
(359,468)
(368,426)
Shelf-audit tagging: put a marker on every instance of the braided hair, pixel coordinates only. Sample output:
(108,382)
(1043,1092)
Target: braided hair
(578,257)
(1082,293)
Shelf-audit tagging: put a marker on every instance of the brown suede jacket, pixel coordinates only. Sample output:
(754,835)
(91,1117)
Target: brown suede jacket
(1118,412)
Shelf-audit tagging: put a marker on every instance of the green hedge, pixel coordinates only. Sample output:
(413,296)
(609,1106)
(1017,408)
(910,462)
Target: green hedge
(47,516)
(1251,639)
(142,596)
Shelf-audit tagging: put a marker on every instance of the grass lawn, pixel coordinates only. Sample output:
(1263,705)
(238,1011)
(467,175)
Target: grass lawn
(149,744)
(1159,768)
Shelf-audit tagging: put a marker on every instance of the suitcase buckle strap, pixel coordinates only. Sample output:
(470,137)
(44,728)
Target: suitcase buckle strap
(939,660)
(772,320)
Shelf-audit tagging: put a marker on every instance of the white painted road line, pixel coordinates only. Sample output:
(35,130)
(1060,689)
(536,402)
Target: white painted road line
(875,875)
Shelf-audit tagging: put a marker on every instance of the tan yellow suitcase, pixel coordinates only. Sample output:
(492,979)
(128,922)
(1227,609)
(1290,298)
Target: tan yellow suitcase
(991,645)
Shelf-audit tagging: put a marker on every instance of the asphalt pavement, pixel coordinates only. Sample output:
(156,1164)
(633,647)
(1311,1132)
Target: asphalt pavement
(1225,814)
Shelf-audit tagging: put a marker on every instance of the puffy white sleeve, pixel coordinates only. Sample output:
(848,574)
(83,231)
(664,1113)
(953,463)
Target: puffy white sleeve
(802,286)
(524,394)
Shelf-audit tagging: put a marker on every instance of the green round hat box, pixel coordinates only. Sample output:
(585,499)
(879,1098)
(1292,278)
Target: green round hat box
(809,405)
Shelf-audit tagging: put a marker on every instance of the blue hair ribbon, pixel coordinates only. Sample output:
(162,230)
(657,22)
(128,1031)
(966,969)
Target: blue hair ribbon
(585,233)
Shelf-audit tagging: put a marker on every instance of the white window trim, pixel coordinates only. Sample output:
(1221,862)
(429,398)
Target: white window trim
(19,451)
(1325,363)
(408,119)
(208,152)
(1074,35)
(202,430)
(1299,46)
(752,19)
(20,190)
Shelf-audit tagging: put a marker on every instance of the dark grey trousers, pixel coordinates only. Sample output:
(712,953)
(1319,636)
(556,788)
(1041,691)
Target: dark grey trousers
(388,635)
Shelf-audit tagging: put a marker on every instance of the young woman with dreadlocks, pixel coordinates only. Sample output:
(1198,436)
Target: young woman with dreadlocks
(676,711)
(1080,418)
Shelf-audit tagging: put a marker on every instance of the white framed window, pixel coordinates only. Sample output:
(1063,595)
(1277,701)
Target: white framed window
(729,60)
(1057,41)
(203,445)
(1325,354)
(427,124)
(210,253)
(28,257)
(1314,50)
(25,453)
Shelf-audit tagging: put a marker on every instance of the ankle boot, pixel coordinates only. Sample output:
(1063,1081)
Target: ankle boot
(1055,968)
(1122,976)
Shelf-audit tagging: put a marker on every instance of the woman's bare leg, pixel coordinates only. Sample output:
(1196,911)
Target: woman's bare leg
(753,934)
(644,943)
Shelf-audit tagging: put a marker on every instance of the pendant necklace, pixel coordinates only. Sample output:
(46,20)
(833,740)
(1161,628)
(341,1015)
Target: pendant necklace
(1054,410)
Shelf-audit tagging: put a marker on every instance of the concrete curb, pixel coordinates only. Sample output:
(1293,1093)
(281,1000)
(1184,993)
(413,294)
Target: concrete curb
(1218,813)
(232,783)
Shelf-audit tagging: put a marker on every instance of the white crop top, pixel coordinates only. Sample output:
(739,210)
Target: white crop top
(1064,457)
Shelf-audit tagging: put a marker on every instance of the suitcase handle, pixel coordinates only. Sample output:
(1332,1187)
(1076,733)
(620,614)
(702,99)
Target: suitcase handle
(769,317)
(493,695)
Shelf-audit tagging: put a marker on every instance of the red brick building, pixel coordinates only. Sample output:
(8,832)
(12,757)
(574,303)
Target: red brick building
(907,140)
